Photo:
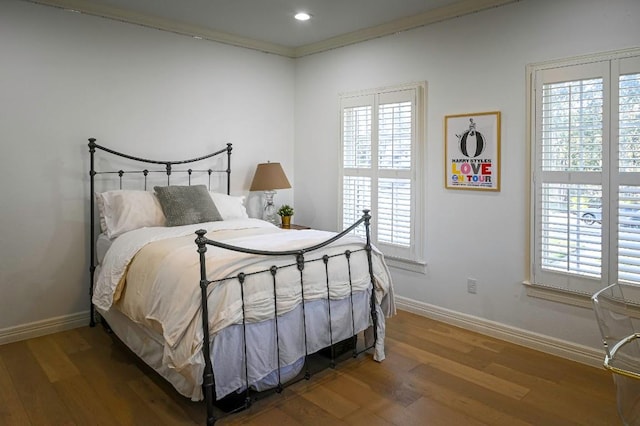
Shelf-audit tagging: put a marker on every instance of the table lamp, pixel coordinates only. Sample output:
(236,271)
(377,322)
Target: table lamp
(268,178)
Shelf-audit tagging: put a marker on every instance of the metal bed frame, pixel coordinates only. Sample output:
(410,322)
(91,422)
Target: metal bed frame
(299,260)
(168,171)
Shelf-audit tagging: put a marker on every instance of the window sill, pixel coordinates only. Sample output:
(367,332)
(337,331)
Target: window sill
(558,295)
(632,300)
(406,264)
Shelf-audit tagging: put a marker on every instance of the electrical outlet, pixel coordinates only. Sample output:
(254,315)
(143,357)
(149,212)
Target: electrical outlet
(472,285)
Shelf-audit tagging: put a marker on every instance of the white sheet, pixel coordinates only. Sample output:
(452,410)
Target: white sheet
(102,247)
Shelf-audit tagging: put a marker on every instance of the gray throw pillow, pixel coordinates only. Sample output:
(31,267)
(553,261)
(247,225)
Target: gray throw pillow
(184,205)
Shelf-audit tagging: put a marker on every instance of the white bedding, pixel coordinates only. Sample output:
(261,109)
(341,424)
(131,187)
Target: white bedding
(162,285)
(113,266)
(102,247)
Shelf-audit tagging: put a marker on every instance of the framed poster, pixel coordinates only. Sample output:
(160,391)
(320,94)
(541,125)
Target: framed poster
(472,151)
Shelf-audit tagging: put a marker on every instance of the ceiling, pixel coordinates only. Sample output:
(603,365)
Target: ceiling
(268,25)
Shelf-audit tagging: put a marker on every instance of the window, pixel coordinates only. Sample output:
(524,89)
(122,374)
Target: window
(382,133)
(585,125)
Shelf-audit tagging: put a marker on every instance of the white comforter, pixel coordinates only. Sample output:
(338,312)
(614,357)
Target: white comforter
(162,290)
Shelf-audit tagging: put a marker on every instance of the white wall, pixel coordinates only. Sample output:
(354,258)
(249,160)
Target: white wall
(65,77)
(471,64)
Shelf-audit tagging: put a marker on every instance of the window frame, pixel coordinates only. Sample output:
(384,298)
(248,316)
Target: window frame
(614,62)
(413,257)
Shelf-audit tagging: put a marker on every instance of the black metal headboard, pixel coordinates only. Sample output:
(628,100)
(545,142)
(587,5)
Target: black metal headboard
(168,171)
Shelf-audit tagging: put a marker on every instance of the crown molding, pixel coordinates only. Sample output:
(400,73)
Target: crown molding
(464,7)
(461,8)
(156,22)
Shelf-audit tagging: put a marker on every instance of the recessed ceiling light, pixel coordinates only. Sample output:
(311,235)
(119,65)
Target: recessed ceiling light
(302,16)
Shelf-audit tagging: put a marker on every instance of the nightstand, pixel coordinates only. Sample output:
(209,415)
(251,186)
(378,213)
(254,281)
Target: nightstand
(298,227)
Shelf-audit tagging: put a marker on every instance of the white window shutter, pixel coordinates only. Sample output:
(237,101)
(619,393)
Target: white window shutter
(356,137)
(394,212)
(395,135)
(380,153)
(586,173)
(356,196)
(628,172)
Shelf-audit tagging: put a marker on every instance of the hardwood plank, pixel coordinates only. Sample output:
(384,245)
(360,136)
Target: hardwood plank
(481,404)
(572,403)
(169,412)
(469,358)
(308,413)
(271,416)
(449,335)
(383,380)
(96,337)
(107,366)
(358,392)
(52,358)
(38,396)
(411,331)
(364,417)
(473,339)
(109,381)
(470,374)
(85,405)
(12,411)
(470,399)
(397,360)
(71,341)
(588,385)
(332,402)
(532,362)
(589,380)
(426,410)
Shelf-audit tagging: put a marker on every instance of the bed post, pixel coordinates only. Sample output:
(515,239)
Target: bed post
(374,313)
(229,168)
(92,265)
(208,383)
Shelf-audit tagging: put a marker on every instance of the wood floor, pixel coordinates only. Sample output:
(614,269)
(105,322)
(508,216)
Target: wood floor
(434,374)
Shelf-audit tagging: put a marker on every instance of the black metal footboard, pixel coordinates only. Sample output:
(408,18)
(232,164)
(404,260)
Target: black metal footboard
(299,260)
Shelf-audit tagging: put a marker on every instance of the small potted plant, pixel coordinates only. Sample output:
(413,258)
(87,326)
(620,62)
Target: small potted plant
(285,212)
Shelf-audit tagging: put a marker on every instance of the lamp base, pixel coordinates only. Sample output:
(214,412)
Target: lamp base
(269,213)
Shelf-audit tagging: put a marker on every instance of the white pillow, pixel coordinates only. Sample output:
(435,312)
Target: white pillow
(230,207)
(126,210)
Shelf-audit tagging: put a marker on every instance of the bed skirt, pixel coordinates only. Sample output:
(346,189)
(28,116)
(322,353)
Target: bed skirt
(228,348)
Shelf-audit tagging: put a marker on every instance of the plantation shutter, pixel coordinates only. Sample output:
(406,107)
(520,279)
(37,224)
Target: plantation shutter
(395,142)
(379,148)
(357,131)
(628,172)
(570,177)
(586,180)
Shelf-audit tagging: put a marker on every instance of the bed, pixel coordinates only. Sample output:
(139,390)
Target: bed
(217,303)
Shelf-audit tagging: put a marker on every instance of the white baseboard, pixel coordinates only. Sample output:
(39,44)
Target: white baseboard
(550,345)
(44,327)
